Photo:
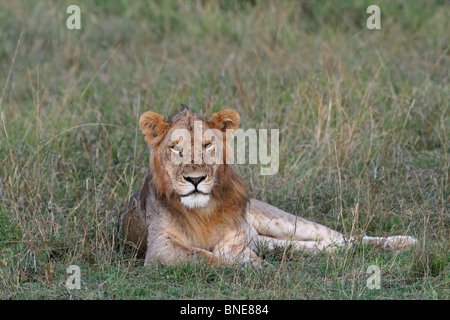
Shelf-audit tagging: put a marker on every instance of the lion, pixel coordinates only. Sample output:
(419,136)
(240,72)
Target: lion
(202,210)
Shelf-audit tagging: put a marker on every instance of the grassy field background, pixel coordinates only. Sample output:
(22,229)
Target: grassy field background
(364,139)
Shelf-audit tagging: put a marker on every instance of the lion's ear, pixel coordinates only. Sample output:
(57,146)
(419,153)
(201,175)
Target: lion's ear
(226,119)
(152,125)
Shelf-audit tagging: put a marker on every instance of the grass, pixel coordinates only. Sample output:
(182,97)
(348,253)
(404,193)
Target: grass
(364,139)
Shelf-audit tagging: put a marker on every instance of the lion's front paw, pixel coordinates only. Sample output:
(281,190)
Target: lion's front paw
(256,263)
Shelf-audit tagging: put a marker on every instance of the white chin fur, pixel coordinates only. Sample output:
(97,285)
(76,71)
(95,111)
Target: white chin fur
(196,200)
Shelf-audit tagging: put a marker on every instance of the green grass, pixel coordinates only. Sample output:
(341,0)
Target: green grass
(364,139)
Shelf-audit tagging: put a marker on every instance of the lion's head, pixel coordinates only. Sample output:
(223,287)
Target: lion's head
(188,161)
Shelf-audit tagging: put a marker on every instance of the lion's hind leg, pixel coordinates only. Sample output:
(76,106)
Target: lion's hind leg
(394,243)
(279,228)
(310,246)
(134,227)
(273,222)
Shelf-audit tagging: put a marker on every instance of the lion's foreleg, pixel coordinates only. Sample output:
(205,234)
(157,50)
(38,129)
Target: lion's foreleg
(169,250)
(235,246)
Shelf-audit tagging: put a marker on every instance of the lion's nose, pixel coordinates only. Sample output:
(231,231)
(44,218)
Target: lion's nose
(195,180)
